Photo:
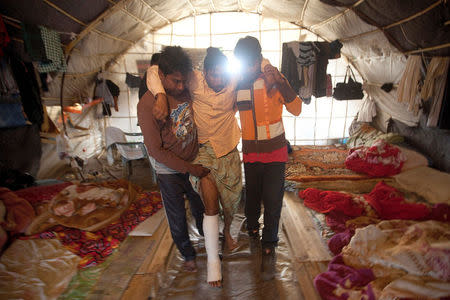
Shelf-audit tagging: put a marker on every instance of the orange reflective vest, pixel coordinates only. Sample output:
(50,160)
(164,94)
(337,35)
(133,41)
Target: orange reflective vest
(260,114)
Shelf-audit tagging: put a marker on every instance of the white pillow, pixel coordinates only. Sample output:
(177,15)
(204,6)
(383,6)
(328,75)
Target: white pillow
(432,184)
(413,159)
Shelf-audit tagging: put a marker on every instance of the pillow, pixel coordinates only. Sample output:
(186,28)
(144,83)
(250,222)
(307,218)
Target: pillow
(431,184)
(413,159)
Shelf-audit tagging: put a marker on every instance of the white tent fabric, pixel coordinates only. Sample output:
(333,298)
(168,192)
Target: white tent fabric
(127,31)
(138,18)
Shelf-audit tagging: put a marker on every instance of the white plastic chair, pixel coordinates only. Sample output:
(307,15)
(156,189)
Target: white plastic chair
(129,151)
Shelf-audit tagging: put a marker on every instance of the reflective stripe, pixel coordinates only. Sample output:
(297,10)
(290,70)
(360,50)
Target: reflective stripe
(244,95)
(275,130)
(259,84)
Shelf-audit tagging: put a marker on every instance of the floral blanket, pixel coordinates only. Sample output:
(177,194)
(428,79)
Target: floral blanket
(94,247)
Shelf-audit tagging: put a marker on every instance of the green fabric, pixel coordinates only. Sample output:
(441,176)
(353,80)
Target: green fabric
(53,51)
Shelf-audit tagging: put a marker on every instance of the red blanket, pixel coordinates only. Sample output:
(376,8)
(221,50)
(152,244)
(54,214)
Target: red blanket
(390,204)
(379,160)
(327,201)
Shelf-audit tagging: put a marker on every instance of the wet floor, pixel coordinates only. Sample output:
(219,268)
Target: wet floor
(240,269)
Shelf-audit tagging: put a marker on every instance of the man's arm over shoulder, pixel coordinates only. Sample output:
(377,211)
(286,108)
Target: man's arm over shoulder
(290,99)
(154,84)
(292,102)
(151,130)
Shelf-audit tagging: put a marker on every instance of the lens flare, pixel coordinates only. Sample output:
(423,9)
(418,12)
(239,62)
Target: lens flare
(234,65)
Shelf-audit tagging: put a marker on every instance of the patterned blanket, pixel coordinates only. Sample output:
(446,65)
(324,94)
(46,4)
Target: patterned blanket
(94,247)
(319,163)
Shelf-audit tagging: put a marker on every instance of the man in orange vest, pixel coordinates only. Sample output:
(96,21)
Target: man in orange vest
(260,100)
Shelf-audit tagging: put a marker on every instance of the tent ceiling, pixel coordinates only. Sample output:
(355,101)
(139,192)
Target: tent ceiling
(365,27)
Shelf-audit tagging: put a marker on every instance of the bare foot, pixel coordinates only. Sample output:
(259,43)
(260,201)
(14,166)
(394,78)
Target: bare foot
(230,243)
(190,266)
(215,283)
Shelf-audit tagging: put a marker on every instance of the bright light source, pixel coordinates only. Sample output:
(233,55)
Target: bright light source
(234,65)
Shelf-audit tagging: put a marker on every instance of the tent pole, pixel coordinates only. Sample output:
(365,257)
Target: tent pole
(84,24)
(302,16)
(94,24)
(61,97)
(428,49)
(420,13)
(330,19)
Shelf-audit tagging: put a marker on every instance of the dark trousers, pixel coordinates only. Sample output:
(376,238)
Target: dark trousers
(173,188)
(264,182)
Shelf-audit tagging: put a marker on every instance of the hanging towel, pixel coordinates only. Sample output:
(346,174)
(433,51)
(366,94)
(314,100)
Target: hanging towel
(53,51)
(434,86)
(408,88)
(367,111)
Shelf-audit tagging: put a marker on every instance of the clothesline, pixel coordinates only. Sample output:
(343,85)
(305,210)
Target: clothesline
(428,49)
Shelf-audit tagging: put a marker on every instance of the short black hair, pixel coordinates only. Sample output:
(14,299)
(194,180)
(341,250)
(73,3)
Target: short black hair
(248,49)
(214,57)
(174,59)
(155,59)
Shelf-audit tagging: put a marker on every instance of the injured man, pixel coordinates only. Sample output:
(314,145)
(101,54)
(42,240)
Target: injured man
(213,95)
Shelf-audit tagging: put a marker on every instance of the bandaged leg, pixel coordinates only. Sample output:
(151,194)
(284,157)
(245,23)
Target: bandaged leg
(211,231)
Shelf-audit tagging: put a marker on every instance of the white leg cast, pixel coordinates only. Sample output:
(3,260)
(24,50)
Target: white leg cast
(211,231)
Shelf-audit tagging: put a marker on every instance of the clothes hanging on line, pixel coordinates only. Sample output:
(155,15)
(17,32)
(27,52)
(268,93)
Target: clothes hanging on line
(367,110)
(109,91)
(53,52)
(304,64)
(434,87)
(132,81)
(408,88)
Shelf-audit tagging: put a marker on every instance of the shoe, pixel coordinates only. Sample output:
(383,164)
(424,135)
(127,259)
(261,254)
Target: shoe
(268,260)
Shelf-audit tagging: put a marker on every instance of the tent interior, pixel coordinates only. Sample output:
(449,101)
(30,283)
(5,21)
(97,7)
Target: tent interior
(61,134)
